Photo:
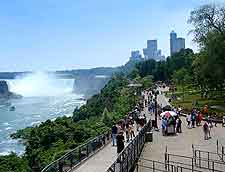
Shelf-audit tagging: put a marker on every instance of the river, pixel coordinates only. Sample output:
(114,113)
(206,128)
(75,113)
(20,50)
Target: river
(44,98)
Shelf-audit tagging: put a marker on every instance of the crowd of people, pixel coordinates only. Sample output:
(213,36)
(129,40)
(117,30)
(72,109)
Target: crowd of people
(124,130)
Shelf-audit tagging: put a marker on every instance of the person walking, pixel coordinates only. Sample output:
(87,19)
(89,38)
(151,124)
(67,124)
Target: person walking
(193,118)
(114,134)
(188,120)
(206,130)
(120,142)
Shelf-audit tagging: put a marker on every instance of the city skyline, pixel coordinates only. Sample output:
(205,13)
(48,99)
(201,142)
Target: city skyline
(64,35)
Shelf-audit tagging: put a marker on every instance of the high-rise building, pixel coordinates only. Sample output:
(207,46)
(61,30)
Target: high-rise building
(180,44)
(176,44)
(152,52)
(135,55)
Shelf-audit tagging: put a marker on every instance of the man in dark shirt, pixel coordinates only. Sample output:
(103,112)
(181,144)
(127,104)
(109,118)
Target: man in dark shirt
(120,142)
(114,133)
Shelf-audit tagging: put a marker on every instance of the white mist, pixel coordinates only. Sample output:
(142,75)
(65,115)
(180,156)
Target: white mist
(40,84)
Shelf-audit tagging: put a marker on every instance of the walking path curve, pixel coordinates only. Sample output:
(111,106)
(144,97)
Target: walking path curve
(102,160)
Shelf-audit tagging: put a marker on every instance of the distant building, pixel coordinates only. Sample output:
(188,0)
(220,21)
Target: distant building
(152,52)
(176,44)
(135,55)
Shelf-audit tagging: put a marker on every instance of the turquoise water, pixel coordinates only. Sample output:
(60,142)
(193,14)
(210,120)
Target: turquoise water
(32,110)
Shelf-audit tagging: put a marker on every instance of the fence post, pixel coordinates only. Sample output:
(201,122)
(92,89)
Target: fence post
(87,150)
(222,152)
(79,154)
(192,165)
(195,154)
(199,158)
(153,166)
(217,146)
(213,166)
(166,159)
(208,160)
(193,149)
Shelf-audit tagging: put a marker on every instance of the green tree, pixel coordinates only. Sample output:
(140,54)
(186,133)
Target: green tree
(182,77)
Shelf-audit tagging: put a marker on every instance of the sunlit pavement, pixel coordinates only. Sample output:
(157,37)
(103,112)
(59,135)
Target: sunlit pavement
(181,144)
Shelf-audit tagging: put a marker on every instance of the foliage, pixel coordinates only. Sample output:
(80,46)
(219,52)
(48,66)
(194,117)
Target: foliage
(13,163)
(164,71)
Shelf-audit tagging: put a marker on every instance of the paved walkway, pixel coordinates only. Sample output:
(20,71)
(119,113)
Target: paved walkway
(180,144)
(102,160)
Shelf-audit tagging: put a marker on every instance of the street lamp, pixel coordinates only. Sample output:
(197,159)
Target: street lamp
(156,110)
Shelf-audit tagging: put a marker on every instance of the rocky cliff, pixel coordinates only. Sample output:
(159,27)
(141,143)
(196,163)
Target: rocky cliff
(90,84)
(5,93)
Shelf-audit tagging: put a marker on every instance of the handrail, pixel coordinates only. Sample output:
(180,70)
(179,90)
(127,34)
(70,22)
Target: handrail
(77,155)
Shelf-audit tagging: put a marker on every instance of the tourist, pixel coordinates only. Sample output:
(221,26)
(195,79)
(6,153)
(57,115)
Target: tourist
(179,110)
(145,119)
(127,131)
(120,142)
(188,120)
(114,133)
(198,118)
(164,126)
(193,118)
(223,123)
(206,130)
(178,125)
(131,128)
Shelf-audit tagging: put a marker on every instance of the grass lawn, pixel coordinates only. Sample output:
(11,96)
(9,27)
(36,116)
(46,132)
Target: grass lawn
(193,99)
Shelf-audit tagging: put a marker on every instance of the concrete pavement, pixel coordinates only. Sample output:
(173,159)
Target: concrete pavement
(181,144)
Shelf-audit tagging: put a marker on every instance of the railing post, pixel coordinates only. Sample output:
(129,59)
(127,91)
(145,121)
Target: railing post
(213,166)
(217,146)
(87,150)
(60,164)
(208,160)
(199,158)
(192,165)
(193,149)
(195,157)
(79,154)
(222,152)
(153,166)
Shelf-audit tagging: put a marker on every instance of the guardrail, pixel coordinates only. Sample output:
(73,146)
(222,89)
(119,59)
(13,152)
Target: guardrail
(127,159)
(155,166)
(194,163)
(220,150)
(74,157)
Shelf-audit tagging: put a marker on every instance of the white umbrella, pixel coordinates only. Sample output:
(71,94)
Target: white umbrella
(168,113)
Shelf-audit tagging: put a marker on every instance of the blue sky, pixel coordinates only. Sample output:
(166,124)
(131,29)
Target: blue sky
(72,34)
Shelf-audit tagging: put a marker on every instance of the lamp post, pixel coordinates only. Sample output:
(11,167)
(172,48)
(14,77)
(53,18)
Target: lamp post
(156,109)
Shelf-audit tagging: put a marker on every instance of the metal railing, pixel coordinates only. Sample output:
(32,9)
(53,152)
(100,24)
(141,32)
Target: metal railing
(127,159)
(146,165)
(195,163)
(220,148)
(74,157)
